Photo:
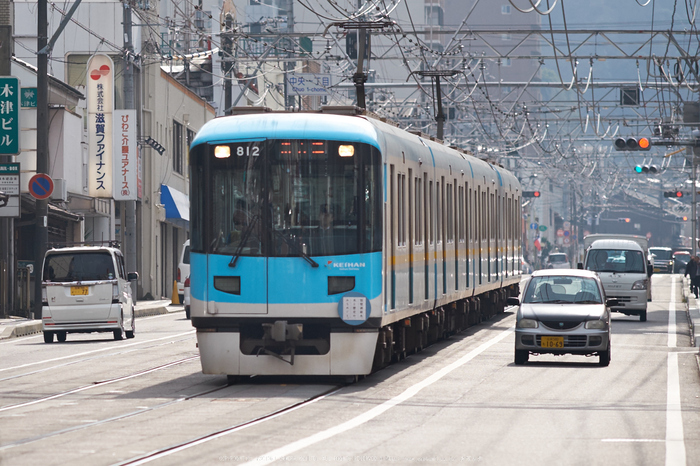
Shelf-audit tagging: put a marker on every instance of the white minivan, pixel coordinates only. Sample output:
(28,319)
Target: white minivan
(86,289)
(624,271)
(183,270)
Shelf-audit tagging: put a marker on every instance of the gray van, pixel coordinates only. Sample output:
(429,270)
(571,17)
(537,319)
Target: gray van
(86,289)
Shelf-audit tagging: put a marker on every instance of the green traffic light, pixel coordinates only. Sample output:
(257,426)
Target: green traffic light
(638,169)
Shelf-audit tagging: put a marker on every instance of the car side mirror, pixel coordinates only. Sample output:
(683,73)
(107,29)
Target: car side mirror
(131,276)
(513,301)
(580,265)
(612,302)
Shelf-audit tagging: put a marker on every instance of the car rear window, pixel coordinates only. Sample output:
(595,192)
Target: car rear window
(557,258)
(186,255)
(83,266)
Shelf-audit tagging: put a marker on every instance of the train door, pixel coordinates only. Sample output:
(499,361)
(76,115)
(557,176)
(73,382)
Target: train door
(410,232)
(428,228)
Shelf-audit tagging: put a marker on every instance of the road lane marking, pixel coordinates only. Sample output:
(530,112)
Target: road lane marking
(675,446)
(110,348)
(409,393)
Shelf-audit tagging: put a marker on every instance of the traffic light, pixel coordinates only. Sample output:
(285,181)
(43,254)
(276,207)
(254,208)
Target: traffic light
(531,194)
(673,194)
(624,220)
(633,144)
(653,169)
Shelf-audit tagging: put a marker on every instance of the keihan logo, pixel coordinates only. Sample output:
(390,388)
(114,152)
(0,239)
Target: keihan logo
(345,265)
(97,74)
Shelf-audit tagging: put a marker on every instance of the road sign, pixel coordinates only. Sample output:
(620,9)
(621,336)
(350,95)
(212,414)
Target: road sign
(9,115)
(28,97)
(40,186)
(533,226)
(308,83)
(9,190)
(560,232)
(543,228)
(566,240)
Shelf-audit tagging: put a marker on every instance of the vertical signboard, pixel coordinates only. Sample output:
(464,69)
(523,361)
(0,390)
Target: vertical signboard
(125,156)
(9,115)
(9,190)
(100,101)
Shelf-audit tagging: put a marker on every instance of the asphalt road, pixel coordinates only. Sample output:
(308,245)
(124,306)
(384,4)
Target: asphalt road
(93,400)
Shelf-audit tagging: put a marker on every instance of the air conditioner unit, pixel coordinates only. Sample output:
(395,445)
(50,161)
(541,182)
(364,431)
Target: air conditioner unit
(60,190)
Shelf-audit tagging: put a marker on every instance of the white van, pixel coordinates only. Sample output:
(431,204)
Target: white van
(624,271)
(86,289)
(183,270)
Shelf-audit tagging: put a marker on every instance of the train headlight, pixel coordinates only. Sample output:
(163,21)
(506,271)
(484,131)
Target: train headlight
(222,152)
(346,150)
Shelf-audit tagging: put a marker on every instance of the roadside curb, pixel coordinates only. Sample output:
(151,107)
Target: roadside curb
(20,327)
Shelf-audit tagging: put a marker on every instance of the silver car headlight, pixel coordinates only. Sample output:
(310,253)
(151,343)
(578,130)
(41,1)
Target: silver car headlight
(527,323)
(596,324)
(640,285)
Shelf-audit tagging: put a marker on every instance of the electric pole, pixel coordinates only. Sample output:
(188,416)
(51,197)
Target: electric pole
(130,206)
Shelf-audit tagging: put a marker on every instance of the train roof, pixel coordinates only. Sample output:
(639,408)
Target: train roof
(285,125)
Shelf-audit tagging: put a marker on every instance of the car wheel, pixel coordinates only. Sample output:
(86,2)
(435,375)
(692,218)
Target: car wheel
(643,316)
(187,312)
(604,358)
(61,336)
(48,337)
(132,332)
(521,356)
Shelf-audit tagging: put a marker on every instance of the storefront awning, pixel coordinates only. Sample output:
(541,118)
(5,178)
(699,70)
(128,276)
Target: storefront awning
(177,204)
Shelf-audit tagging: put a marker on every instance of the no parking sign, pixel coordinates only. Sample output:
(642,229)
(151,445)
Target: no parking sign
(40,186)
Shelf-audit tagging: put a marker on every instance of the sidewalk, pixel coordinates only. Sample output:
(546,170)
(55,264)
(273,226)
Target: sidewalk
(20,326)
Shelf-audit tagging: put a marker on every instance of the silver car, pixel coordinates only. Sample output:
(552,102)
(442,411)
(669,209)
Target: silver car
(563,312)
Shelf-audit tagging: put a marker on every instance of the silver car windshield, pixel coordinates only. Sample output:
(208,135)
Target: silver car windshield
(562,290)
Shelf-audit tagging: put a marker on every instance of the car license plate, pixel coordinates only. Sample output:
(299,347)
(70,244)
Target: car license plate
(78,290)
(552,342)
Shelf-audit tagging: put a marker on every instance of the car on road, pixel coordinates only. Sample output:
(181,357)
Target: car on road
(557,260)
(186,300)
(86,289)
(680,260)
(183,270)
(663,259)
(563,312)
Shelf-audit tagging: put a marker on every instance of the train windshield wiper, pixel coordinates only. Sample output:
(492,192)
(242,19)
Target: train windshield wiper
(244,239)
(296,248)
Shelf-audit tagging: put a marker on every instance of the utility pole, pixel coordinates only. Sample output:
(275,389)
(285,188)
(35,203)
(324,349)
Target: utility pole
(7,224)
(41,218)
(227,60)
(130,206)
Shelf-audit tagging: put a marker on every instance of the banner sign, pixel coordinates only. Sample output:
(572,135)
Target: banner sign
(9,115)
(125,156)
(9,190)
(100,102)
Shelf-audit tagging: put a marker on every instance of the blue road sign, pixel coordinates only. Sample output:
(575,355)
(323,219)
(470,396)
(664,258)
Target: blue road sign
(41,186)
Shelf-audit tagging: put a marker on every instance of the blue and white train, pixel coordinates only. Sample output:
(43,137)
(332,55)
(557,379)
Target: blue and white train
(332,243)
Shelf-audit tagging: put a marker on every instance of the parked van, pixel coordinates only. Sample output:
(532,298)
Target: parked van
(86,289)
(183,270)
(622,264)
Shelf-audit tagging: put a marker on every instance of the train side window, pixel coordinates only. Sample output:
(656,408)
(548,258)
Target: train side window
(450,215)
(418,221)
(431,217)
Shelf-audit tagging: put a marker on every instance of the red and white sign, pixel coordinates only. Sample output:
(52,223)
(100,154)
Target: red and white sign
(125,161)
(100,103)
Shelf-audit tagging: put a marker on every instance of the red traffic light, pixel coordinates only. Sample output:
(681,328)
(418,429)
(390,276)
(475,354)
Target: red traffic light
(536,194)
(644,143)
(679,193)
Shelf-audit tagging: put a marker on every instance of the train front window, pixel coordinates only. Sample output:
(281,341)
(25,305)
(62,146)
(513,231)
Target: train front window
(324,198)
(237,202)
(287,198)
